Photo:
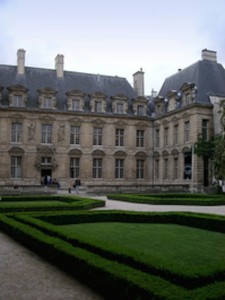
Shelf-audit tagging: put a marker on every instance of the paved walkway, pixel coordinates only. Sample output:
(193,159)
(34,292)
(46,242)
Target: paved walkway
(122,205)
(24,275)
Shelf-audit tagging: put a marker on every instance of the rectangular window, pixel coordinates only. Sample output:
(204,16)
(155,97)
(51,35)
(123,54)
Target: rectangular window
(74,167)
(141,110)
(140,138)
(97,136)
(46,134)
(74,135)
(16,133)
(16,166)
(176,135)
(166,165)
(140,169)
(119,137)
(46,160)
(98,106)
(166,137)
(47,102)
(157,138)
(119,168)
(75,104)
(156,169)
(119,108)
(205,130)
(175,168)
(97,168)
(17,101)
(187,98)
(186,131)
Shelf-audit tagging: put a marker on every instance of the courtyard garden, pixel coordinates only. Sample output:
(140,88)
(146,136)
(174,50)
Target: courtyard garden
(121,254)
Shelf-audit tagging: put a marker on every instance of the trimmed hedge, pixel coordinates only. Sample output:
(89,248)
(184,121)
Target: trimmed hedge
(171,199)
(29,204)
(114,275)
(179,278)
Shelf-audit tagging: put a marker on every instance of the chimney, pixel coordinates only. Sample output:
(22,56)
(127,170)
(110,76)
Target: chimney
(59,64)
(21,61)
(209,55)
(138,82)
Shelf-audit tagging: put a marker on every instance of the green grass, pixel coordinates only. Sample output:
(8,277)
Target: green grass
(180,249)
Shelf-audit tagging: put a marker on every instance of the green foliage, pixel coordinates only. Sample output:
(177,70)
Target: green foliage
(213,149)
(219,158)
(34,203)
(204,148)
(170,199)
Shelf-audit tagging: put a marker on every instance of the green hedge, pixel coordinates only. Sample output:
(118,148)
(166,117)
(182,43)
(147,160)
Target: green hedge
(170,199)
(178,278)
(26,204)
(112,279)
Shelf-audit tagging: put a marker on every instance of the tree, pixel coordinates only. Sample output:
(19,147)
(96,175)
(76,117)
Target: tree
(219,157)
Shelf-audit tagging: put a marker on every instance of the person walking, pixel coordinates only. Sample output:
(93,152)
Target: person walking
(69,186)
(77,185)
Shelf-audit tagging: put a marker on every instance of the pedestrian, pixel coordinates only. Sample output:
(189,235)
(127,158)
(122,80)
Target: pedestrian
(69,186)
(77,185)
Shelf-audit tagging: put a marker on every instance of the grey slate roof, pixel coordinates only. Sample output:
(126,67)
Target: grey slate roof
(38,78)
(209,77)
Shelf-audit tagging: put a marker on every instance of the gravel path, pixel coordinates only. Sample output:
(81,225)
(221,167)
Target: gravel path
(24,275)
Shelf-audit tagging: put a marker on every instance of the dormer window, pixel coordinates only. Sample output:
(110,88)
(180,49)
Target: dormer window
(187,99)
(159,105)
(47,98)
(47,102)
(17,96)
(98,106)
(140,106)
(98,102)
(76,104)
(140,110)
(75,100)
(17,101)
(119,104)
(119,108)
(189,91)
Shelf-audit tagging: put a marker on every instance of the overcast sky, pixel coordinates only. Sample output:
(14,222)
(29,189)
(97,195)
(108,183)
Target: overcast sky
(116,37)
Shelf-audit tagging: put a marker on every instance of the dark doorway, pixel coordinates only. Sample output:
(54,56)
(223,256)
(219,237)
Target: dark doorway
(45,173)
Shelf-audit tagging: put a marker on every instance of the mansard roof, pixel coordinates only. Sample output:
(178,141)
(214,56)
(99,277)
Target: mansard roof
(36,79)
(208,76)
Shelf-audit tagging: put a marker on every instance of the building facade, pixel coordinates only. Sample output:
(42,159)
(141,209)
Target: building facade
(69,124)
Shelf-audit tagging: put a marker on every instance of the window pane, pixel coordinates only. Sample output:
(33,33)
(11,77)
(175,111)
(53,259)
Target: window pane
(46,134)
(119,137)
(97,168)
(205,130)
(16,167)
(186,131)
(140,168)
(74,167)
(97,136)
(75,135)
(16,134)
(75,104)
(119,168)
(140,138)
(17,101)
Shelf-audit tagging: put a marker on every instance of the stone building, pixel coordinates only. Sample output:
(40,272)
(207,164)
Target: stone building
(69,124)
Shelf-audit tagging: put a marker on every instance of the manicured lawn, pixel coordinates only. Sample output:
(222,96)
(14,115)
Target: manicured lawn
(180,249)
